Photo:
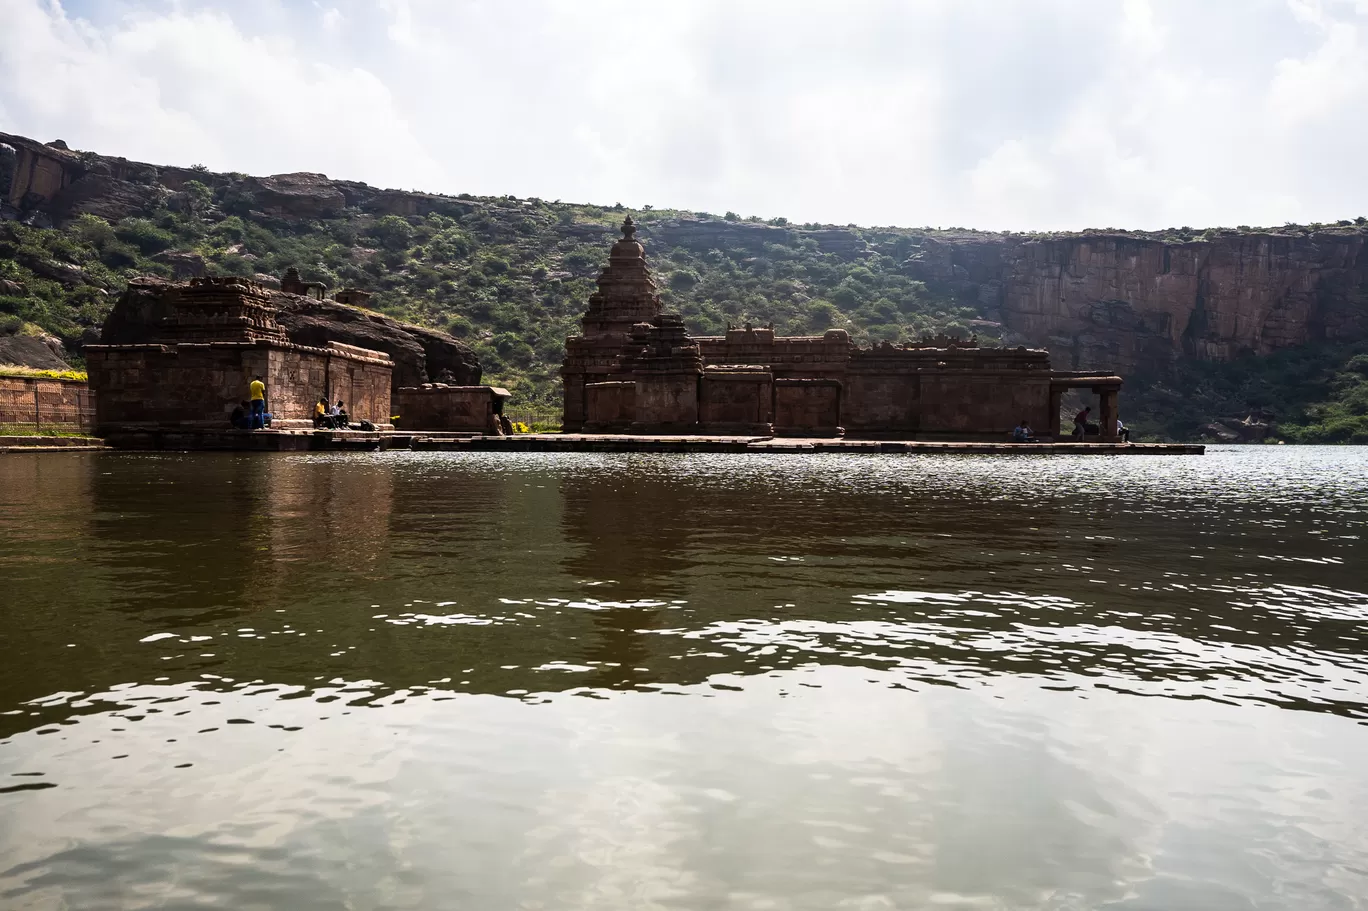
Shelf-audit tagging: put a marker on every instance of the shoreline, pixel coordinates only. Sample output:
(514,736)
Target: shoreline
(204,440)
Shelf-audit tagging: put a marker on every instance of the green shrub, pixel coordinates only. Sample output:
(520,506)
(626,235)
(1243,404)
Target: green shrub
(392,233)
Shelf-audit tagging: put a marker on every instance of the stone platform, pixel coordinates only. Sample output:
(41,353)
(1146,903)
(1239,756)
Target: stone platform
(191,440)
(576,442)
(50,444)
(292,440)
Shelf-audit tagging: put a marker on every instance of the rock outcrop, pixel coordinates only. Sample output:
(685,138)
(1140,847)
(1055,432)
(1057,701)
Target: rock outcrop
(1138,303)
(420,355)
(52,182)
(296,195)
(40,352)
(703,234)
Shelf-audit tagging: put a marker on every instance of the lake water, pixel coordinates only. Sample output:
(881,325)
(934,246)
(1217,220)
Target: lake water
(691,682)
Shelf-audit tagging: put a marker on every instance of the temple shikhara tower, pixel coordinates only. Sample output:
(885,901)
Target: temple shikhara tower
(636,369)
(626,297)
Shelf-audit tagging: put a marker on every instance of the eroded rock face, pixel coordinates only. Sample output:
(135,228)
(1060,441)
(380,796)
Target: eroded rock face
(296,195)
(419,354)
(1135,303)
(106,196)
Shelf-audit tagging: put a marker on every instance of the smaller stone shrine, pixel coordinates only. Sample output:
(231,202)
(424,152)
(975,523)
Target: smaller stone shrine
(221,332)
(439,407)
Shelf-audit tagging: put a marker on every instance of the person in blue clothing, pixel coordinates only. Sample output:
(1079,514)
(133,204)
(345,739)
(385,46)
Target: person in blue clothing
(1023,433)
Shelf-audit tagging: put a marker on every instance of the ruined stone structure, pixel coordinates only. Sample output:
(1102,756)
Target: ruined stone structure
(636,369)
(291,283)
(436,406)
(141,316)
(215,336)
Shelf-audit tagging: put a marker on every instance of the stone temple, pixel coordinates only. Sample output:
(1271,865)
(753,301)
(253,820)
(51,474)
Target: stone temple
(219,333)
(636,369)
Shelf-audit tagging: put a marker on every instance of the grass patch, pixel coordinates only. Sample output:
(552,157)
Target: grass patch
(27,430)
(35,373)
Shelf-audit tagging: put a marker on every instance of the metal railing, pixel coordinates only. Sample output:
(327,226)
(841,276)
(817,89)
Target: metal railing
(531,416)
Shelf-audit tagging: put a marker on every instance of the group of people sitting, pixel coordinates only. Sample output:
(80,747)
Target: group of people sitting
(1023,433)
(334,418)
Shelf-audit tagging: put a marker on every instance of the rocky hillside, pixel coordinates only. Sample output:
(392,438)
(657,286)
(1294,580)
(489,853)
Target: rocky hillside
(511,276)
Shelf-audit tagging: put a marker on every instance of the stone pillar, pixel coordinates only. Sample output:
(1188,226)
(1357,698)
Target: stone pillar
(573,407)
(1107,417)
(1056,399)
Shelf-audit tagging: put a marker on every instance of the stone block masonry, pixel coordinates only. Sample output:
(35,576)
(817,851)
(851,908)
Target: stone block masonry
(434,406)
(46,403)
(198,384)
(736,399)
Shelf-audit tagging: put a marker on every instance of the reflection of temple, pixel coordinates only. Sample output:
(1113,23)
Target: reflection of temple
(636,369)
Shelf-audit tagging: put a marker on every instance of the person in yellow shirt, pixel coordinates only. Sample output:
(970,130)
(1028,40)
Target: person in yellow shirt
(320,415)
(257,395)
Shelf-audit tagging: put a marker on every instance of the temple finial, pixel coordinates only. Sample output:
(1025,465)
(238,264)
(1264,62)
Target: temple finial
(628,228)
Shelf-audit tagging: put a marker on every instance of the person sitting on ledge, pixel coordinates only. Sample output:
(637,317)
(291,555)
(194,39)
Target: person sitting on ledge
(1023,433)
(238,419)
(1122,431)
(320,415)
(339,415)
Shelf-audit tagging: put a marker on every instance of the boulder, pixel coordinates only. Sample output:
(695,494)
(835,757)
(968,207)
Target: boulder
(183,264)
(419,354)
(39,352)
(68,274)
(1220,432)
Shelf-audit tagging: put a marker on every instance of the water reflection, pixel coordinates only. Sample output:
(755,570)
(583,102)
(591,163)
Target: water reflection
(816,682)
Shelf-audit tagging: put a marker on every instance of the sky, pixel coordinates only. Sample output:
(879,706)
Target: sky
(992,114)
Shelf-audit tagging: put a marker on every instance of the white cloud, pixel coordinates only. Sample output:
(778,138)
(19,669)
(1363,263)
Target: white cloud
(990,113)
(330,19)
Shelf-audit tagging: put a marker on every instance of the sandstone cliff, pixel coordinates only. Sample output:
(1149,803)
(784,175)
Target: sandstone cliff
(1137,303)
